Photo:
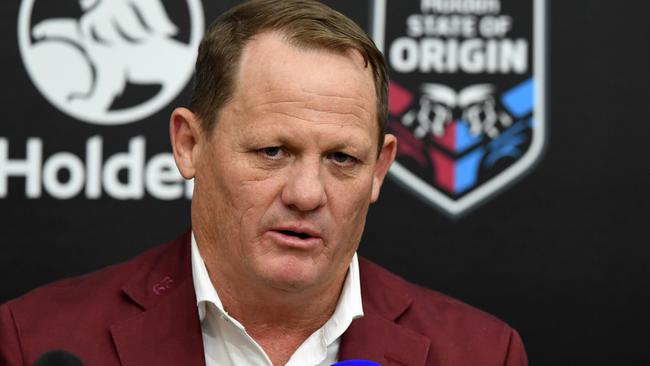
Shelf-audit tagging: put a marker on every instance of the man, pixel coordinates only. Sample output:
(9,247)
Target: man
(285,142)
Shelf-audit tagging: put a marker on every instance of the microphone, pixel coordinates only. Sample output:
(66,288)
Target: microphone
(58,358)
(356,363)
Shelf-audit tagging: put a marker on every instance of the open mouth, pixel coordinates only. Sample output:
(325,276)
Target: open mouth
(295,234)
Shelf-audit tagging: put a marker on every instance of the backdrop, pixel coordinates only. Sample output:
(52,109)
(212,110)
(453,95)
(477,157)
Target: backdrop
(520,185)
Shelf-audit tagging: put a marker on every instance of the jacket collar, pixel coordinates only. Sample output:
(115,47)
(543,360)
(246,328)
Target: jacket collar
(378,336)
(167,330)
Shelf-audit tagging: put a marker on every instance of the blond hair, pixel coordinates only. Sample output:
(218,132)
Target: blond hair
(304,23)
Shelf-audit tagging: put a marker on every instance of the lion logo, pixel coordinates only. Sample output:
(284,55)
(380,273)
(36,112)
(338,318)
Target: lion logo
(84,64)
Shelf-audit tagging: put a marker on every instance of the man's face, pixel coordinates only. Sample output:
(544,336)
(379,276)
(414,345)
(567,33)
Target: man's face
(283,183)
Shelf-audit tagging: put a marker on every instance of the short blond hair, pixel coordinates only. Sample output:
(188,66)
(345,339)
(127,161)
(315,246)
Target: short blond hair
(305,23)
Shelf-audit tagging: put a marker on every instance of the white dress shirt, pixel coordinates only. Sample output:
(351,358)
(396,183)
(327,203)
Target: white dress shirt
(226,343)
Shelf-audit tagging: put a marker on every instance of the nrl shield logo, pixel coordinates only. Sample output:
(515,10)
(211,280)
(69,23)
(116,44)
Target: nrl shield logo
(466,98)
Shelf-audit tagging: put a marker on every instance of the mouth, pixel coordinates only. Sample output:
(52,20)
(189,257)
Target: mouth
(296,234)
(295,237)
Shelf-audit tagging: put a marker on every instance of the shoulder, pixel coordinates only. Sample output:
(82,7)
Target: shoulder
(82,290)
(77,312)
(383,287)
(455,329)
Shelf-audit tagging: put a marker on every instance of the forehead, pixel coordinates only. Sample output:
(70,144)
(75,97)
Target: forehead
(272,70)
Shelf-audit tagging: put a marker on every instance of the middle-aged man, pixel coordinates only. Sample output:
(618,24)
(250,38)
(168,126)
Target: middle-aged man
(285,142)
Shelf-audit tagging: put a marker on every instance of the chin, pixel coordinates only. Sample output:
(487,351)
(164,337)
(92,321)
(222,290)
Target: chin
(292,274)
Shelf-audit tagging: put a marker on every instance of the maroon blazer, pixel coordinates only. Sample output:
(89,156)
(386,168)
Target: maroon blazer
(144,312)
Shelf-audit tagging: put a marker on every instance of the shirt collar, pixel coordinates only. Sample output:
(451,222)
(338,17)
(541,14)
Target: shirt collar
(348,308)
(205,291)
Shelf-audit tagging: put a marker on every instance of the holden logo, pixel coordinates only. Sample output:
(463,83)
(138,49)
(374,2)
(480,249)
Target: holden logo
(110,62)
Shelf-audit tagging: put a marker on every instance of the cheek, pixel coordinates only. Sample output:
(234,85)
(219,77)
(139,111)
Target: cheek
(254,198)
(252,201)
(235,211)
(349,201)
(232,179)
(235,186)
(220,193)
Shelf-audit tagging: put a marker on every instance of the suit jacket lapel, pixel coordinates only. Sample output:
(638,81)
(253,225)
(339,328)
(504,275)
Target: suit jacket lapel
(377,339)
(377,336)
(167,330)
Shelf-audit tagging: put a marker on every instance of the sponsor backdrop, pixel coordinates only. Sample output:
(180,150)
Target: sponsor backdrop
(520,182)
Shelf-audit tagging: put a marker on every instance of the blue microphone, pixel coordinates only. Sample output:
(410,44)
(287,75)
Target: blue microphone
(356,363)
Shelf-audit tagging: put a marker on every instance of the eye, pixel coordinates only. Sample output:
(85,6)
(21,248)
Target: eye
(273,152)
(342,158)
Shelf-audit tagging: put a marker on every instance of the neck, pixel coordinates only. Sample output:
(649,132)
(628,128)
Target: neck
(279,320)
(268,307)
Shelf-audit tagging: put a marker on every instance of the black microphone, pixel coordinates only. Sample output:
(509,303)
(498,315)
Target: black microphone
(58,358)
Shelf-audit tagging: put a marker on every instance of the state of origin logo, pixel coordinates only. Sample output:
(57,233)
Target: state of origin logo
(465,97)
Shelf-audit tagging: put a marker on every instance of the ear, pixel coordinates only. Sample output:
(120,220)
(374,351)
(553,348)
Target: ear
(386,158)
(185,134)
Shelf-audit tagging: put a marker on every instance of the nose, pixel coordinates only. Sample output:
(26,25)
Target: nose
(305,189)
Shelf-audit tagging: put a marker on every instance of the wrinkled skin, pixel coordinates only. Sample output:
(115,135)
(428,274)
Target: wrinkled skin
(284,181)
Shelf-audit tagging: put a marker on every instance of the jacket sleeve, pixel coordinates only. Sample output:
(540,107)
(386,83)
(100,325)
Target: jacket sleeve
(516,354)
(10,349)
